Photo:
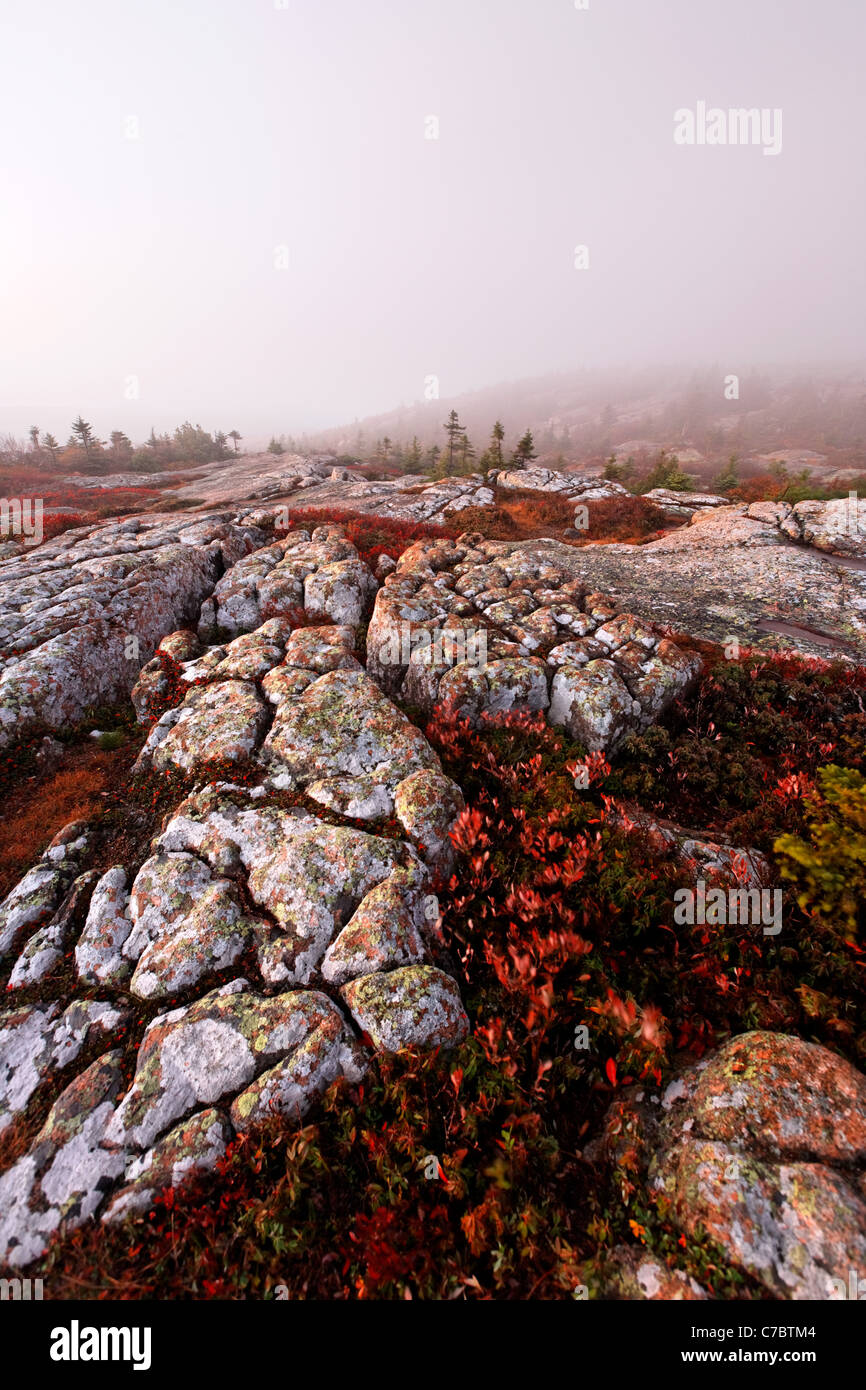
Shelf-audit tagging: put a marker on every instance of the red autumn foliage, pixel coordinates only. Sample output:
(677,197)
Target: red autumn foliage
(554,918)
(372,536)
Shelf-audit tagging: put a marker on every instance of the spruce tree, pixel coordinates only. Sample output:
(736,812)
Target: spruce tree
(467,454)
(525,451)
(729,478)
(83,434)
(455,431)
(413,457)
(494,448)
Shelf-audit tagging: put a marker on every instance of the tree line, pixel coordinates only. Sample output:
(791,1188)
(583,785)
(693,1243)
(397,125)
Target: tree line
(455,457)
(85,452)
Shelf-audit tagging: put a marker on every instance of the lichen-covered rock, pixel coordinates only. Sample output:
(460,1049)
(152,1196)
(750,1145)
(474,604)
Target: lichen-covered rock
(35,1040)
(593,704)
(837,526)
(635,1275)
(46,947)
(163,892)
(309,877)
(385,931)
(180,646)
(427,805)
(283,683)
(214,1048)
(732,574)
(210,938)
(683,505)
(194,1146)
(26,1037)
(511,685)
(343,727)
(415,1006)
(783,1098)
(271,583)
(762,1144)
(571,485)
(311,885)
(63,1179)
(99,957)
(152,689)
(717,863)
(327,1052)
(34,900)
(248,658)
(216,724)
(660,679)
(323,649)
(385,565)
(338,593)
(68,608)
(187,925)
(535,622)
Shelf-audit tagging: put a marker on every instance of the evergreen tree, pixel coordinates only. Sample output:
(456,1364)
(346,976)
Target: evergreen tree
(455,432)
(494,448)
(467,454)
(233,434)
(729,478)
(666,473)
(414,456)
(50,443)
(525,451)
(617,472)
(83,434)
(120,443)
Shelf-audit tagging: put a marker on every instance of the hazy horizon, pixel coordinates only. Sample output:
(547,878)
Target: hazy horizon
(235,211)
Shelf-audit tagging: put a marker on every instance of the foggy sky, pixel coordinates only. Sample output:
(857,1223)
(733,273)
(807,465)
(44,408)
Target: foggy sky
(261,128)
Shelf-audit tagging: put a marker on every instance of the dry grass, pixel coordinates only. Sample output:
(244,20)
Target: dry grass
(42,804)
(524,514)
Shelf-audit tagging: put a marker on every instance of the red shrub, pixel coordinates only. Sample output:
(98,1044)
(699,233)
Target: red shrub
(371,535)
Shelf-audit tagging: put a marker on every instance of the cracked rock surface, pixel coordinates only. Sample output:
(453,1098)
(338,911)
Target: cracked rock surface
(279,929)
(244,880)
(766,575)
(551,644)
(79,614)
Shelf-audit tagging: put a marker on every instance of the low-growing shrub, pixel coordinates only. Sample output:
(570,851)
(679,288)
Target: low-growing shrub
(372,536)
(829,868)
